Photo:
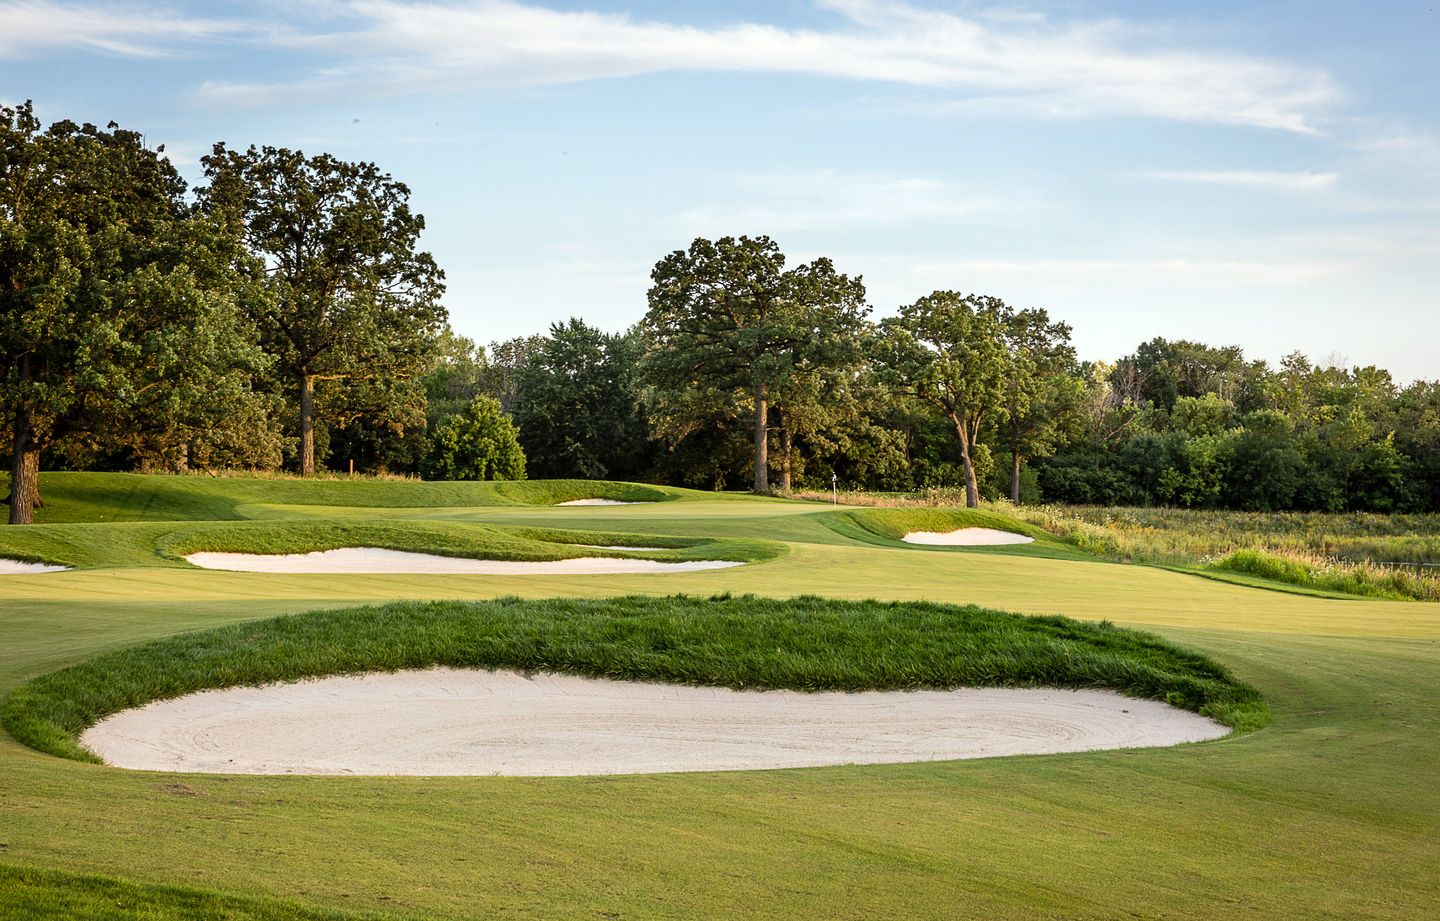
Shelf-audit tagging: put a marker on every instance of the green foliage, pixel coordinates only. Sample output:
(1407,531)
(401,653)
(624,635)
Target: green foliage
(117,307)
(351,298)
(728,320)
(578,407)
(1385,556)
(1332,576)
(949,350)
(807,643)
(479,444)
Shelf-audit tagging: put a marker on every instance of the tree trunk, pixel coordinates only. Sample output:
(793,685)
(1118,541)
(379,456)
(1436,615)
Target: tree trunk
(762,438)
(307,425)
(1015,478)
(972,487)
(785,464)
(24,473)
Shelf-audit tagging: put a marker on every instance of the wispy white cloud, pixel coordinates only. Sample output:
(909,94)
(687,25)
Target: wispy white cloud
(1073,68)
(1248,179)
(1101,274)
(825,200)
(31,28)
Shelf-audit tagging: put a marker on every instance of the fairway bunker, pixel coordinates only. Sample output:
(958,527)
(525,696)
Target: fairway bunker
(450,722)
(379,561)
(967,537)
(20,568)
(601,502)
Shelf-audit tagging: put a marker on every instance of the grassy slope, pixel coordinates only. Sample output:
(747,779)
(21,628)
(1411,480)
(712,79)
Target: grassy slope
(1331,811)
(109,497)
(807,644)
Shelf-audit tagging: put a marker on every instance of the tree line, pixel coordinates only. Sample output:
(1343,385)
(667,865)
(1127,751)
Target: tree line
(282,315)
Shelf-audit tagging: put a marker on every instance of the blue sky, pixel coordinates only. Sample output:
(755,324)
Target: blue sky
(1261,174)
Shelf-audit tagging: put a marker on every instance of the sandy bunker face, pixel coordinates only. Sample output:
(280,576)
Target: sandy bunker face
(463,722)
(600,502)
(967,537)
(375,560)
(18,568)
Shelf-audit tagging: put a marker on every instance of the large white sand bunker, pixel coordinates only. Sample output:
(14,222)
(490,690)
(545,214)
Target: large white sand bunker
(376,560)
(600,502)
(461,722)
(19,568)
(967,537)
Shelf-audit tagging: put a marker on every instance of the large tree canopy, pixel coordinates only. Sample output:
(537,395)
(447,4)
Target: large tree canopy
(949,349)
(352,297)
(577,407)
(727,316)
(1041,396)
(117,307)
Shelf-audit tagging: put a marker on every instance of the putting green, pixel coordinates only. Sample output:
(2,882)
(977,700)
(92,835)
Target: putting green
(1330,811)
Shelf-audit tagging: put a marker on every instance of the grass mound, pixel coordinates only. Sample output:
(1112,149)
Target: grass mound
(156,544)
(111,497)
(447,539)
(807,644)
(892,524)
(34,893)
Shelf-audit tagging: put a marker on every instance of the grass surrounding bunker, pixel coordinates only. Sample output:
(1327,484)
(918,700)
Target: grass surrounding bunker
(807,644)
(1329,811)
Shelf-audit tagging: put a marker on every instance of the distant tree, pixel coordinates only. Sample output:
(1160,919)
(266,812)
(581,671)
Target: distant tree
(949,350)
(479,444)
(1417,437)
(1041,395)
(1266,468)
(727,315)
(352,298)
(112,296)
(457,376)
(577,406)
(500,377)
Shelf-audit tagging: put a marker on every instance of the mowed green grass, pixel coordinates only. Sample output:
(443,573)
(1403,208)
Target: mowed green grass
(1329,811)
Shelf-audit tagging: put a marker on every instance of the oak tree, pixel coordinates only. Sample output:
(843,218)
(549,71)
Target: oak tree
(352,297)
(726,315)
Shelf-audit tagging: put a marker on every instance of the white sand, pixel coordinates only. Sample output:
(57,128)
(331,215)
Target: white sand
(621,547)
(17,568)
(376,560)
(967,537)
(459,722)
(599,502)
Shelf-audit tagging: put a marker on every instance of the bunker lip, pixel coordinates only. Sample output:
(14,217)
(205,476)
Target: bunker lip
(967,537)
(21,568)
(573,502)
(380,561)
(452,722)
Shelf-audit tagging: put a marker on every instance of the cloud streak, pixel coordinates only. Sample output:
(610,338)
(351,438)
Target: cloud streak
(31,29)
(1248,179)
(1079,68)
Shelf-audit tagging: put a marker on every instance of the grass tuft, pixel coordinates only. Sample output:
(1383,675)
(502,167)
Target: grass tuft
(808,644)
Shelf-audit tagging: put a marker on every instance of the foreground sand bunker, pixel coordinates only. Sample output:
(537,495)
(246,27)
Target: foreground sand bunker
(461,722)
(17,568)
(376,560)
(967,537)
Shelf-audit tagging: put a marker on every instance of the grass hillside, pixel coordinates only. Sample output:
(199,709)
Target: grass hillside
(1329,811)
(887,526)
(112,497)
(157,544)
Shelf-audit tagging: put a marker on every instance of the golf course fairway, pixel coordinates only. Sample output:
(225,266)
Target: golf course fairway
(1331,810)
